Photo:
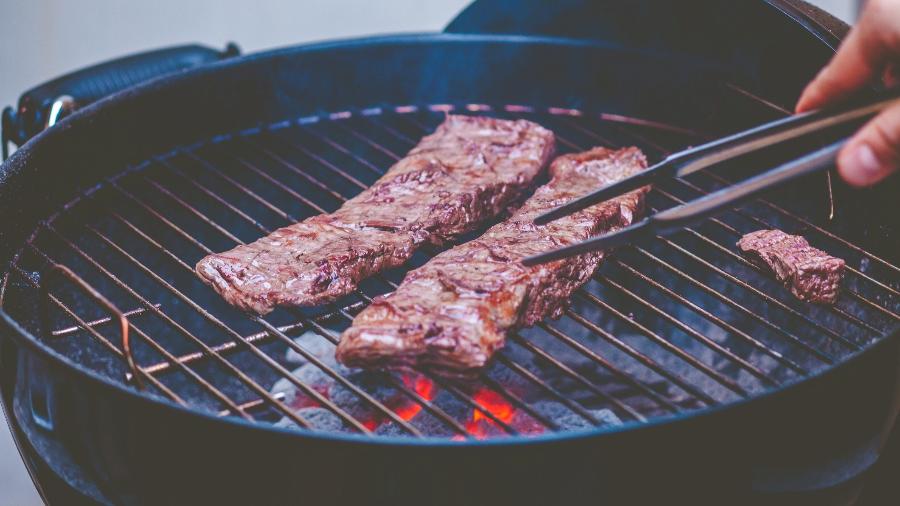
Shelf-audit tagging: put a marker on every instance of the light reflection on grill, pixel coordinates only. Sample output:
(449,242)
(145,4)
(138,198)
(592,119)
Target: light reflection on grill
(675,325)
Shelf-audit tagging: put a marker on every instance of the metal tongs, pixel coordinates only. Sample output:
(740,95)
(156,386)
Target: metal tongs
(701,157)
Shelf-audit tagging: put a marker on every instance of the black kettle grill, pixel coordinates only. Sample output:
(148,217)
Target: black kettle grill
(681,371)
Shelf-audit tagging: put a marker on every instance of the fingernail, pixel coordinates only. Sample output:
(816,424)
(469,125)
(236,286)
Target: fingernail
(866,161)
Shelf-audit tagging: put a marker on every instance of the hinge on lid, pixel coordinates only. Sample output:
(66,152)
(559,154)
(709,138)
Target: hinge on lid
(59,109)
(14,131)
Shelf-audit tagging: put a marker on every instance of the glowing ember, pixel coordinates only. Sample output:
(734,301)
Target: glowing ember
(422,386)
(305,401)
(493,403)
(481,424)
(403,406)
(488,419)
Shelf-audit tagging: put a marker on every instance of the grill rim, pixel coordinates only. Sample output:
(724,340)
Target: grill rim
(36,344)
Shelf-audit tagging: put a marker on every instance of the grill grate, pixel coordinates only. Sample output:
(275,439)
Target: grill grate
(673,325)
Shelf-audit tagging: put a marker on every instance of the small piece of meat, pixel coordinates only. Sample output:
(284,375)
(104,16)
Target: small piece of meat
(465,173)
(454,312)
(811,274)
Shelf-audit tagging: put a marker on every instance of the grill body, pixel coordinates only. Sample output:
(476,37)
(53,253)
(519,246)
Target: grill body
(136,452)
(785,443)
(101,438)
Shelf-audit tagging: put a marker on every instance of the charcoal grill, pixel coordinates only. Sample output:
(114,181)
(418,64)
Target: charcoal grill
(680,368)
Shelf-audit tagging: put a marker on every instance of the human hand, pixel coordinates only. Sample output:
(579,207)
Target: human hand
(871,51)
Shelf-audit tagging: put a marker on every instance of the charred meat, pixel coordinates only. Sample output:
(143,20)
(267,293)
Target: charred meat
(811,274)
(465,173)
(454,312)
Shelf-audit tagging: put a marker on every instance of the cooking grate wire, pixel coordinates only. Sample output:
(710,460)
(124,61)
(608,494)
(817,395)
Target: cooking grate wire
(341,135)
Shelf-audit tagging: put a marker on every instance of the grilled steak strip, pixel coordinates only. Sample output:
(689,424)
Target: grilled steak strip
(466,172)
(811,274)
(454,312)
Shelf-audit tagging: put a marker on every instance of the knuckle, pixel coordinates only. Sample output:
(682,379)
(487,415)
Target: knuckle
(877,7)
(885,137)
(879,25)
(882,13)
(892,35)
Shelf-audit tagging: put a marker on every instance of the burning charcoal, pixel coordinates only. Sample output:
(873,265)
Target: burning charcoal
(432,426)
(284,386)
(310,375)
(321,419)
(607,417)
(511,380)
(482,427)
(286,423)
(314,343)
(573,421)
(318,418)
(669,362)
(451,405)
(551,409)
(390,430)
(382,387)
(565,418)
(373,383)
(353,404)
(570,420)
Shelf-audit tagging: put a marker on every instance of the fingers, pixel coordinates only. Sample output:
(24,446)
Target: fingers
(874,152)
(870,52)
(850,69)
(861,59)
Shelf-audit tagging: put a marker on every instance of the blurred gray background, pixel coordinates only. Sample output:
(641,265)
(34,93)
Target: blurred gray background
(40,39)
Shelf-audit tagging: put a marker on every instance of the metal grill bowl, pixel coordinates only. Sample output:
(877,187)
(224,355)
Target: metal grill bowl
(655,363)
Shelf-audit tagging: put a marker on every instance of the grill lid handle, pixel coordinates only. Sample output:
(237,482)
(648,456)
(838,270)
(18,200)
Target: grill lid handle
(44,105)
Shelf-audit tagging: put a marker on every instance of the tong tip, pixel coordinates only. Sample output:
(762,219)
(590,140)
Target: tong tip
(618,237)
(603,194)
(549,216)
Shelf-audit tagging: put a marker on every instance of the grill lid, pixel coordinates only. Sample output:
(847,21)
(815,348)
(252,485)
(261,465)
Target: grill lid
(799,38)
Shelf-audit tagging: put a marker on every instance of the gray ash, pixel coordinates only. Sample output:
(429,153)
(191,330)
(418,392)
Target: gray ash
(644,375)
(315,344)
(318,419)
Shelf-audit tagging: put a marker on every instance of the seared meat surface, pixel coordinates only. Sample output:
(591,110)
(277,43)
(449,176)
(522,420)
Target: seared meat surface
(811,274)
(465,173)
(454,312)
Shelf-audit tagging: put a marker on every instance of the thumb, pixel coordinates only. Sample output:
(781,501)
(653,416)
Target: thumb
(874,152)
(870,47)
